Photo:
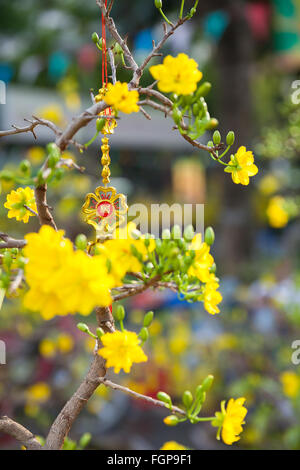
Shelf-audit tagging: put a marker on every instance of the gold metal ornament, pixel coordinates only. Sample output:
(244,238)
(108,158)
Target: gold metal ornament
(105,210)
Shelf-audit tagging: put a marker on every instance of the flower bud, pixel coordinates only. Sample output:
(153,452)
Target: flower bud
(83,327)
(25,166)
(120,313)
(81,242)
(85,440)
(187,399)
(166,234)
(212,124)
(216,137)
(144,334)
(158,3)
(177,115)
(148,318)
(207,383)
(230,138)
(189,233)
(100,123)
(162,396)
(95,37)
(6,175)
(99,332)
(209,236)
(204,89)
(176,232)
(171,420)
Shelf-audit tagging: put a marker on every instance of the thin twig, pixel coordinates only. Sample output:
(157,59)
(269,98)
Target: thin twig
(10,242)
(23,435)
(139,396)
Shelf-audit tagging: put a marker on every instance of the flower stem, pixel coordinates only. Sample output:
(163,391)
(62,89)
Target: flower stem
(181,9)
(164,17)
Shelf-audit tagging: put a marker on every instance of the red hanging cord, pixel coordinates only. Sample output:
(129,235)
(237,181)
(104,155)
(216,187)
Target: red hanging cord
(104,59)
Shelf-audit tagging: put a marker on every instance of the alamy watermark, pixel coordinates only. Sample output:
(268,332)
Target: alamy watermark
(2,353)
(296,354)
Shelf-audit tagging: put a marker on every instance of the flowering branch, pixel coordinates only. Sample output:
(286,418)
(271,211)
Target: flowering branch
(139,396)
(20,433)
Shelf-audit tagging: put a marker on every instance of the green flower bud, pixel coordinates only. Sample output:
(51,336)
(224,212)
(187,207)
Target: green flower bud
(187,399)
(25,166)
(207,383)
(209,236)
(189,233)
(85,440)
(7,259)
(148,318)
(162,396)
(144,334)
(83,327)
(204,89)
(59,173)
(53,160)
(192,12)
(212,124)
(120,313)
(171,420)
(158,3)
(118,48)
(177,115)
(95,37)
(217,137)
(99,332)
(81,242)
(52,149)
(176,232)
(166,234)
(100,123)
(196,109)
(230,138)
(213,268)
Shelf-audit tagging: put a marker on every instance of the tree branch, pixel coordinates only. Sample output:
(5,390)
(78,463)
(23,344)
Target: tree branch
(10,427)
(139,396)
(62,425)
(11,242)
(44,213)
(137,289)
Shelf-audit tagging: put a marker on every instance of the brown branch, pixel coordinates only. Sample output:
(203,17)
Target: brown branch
(10,242)
(139,396)
(115,34)
(44,213)
(15,284)
(156,94)
(112,65)
(138,289)
(10,427)
(62,425)
(200,146)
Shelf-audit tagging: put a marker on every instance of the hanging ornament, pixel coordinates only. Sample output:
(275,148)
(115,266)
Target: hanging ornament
(104,209)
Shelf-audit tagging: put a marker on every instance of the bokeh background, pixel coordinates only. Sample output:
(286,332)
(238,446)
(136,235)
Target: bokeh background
(250,51)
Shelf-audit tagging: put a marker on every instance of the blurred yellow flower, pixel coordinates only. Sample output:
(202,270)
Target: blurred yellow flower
(172,445)
(36,154)
(268,185)
(121,98)
(47,348)
(16,202)
(290,384)
(178,75)
(241,166)
(65,343)
(230,420)
(38,393)
(277,215)
(121,349)
(52,112)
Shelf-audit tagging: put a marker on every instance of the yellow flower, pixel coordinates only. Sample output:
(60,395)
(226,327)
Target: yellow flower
(230,420)
(38,393)
(47,348)
(277,215)
(52,112)
(211,296)
(290,383)
(121,349)
(15,202)
(35,154)
(203,260)
(269,184)
(178,75)
(120,98)
(241,166)
(58,276)
(172,445)
(65,343)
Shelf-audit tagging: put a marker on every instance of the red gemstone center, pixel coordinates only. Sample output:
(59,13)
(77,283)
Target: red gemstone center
(104,209)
